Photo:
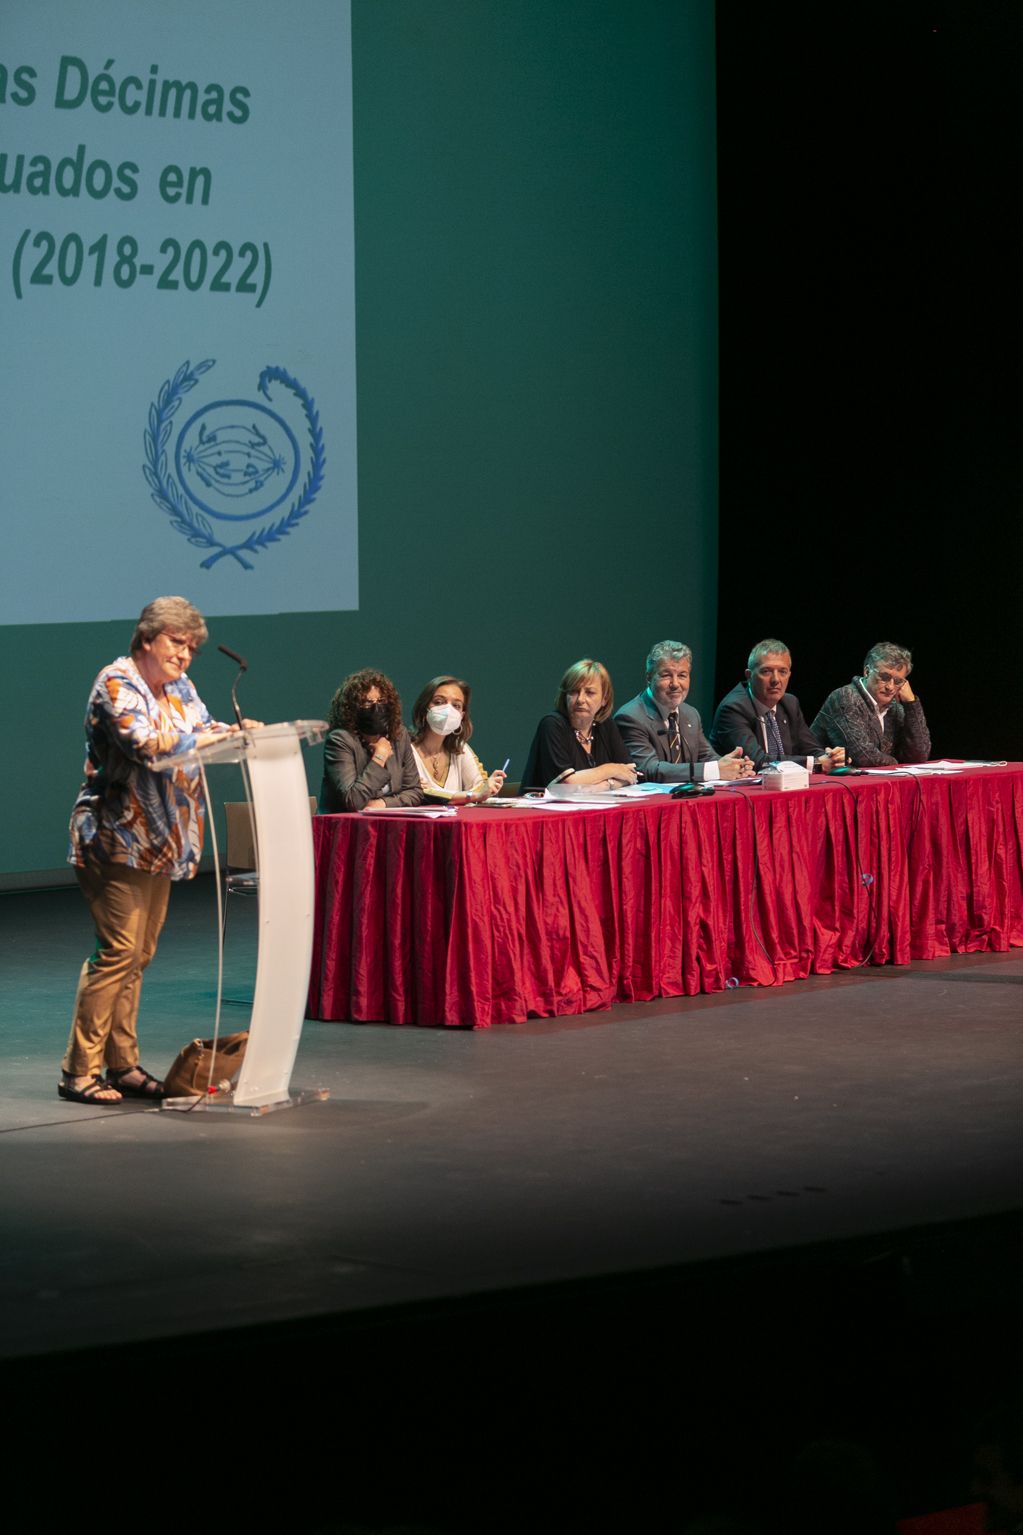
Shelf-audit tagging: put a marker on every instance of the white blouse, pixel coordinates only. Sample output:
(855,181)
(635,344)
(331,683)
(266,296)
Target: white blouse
(466,774)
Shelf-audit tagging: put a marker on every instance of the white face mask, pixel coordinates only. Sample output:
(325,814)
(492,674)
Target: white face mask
(445,719)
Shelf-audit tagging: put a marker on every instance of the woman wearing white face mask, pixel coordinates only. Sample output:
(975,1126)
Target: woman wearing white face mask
(441,727)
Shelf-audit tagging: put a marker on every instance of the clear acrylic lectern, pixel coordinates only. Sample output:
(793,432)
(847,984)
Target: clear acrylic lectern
(275,785)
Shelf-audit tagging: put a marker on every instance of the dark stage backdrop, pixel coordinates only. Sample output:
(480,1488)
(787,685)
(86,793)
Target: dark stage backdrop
(536,383)
(870,404)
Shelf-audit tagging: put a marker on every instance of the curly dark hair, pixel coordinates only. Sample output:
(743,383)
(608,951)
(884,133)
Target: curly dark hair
(348,700)
(459,737)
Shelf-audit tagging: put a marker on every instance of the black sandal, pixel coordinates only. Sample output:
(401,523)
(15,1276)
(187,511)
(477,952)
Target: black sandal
(89,1093)
(150,1087)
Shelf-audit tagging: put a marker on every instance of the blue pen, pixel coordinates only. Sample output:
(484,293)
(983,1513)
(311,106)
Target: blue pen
(507,763)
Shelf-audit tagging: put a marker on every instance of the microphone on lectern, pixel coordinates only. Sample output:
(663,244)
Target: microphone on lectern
(243,666)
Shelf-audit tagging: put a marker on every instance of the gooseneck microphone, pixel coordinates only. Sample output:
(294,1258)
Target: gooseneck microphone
(243,666)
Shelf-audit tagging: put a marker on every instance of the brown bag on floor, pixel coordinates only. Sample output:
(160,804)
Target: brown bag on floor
(189,1077)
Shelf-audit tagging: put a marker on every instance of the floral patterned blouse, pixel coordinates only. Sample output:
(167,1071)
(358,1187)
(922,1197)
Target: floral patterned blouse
(139,805)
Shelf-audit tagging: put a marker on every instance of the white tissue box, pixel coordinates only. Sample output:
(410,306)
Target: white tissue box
(787,775)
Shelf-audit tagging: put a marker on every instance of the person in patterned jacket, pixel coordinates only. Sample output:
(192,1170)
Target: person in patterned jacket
(136,826)
(877,717)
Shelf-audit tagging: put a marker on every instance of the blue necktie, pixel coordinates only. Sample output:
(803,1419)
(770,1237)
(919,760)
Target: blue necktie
(774,746)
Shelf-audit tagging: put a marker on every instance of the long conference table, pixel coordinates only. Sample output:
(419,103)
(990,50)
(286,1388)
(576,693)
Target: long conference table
(498,915)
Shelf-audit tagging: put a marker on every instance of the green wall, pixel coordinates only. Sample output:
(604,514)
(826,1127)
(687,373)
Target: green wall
(537,387)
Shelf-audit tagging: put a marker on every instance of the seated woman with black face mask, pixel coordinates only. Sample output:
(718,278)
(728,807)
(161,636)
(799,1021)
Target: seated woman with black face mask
(367,756)
(448,767)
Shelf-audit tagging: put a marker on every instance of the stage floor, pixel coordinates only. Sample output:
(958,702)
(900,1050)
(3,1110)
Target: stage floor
(448,1163)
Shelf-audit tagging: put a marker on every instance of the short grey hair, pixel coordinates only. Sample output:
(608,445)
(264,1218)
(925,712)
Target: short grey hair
(169,614)
(766,648)
(672,650)
(887,654)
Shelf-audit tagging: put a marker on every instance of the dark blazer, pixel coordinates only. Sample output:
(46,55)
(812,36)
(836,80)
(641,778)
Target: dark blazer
(737,723)
(646,735)
(351,778)
(848,718)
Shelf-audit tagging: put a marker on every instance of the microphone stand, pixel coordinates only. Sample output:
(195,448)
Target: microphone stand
(243,667)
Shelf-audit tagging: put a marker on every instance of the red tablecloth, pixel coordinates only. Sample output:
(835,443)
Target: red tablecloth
(497,915)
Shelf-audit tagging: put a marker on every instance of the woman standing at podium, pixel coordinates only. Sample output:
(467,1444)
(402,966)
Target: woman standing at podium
(136,826)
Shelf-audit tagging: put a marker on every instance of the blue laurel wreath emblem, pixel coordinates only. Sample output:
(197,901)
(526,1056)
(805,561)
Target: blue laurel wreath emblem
(234,461)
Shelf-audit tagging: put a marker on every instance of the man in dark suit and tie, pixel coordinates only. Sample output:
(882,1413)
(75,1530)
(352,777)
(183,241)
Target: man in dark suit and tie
(764,719)
(664,735)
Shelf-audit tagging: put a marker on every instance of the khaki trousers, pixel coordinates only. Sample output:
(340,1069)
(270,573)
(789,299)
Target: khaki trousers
(128,908)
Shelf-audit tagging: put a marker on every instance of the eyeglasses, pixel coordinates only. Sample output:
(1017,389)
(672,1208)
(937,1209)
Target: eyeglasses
(179,642)
(896,682)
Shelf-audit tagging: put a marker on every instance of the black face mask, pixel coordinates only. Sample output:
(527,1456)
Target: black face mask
(373,719)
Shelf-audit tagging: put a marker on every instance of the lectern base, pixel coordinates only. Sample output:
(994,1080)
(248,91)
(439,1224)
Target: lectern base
(226,1104)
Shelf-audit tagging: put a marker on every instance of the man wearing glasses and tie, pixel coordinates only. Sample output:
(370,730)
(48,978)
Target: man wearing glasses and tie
(664,735)
(762,717)
(877,717)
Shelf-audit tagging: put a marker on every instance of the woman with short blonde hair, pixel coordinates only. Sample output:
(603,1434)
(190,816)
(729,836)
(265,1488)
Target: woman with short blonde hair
(579,743)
